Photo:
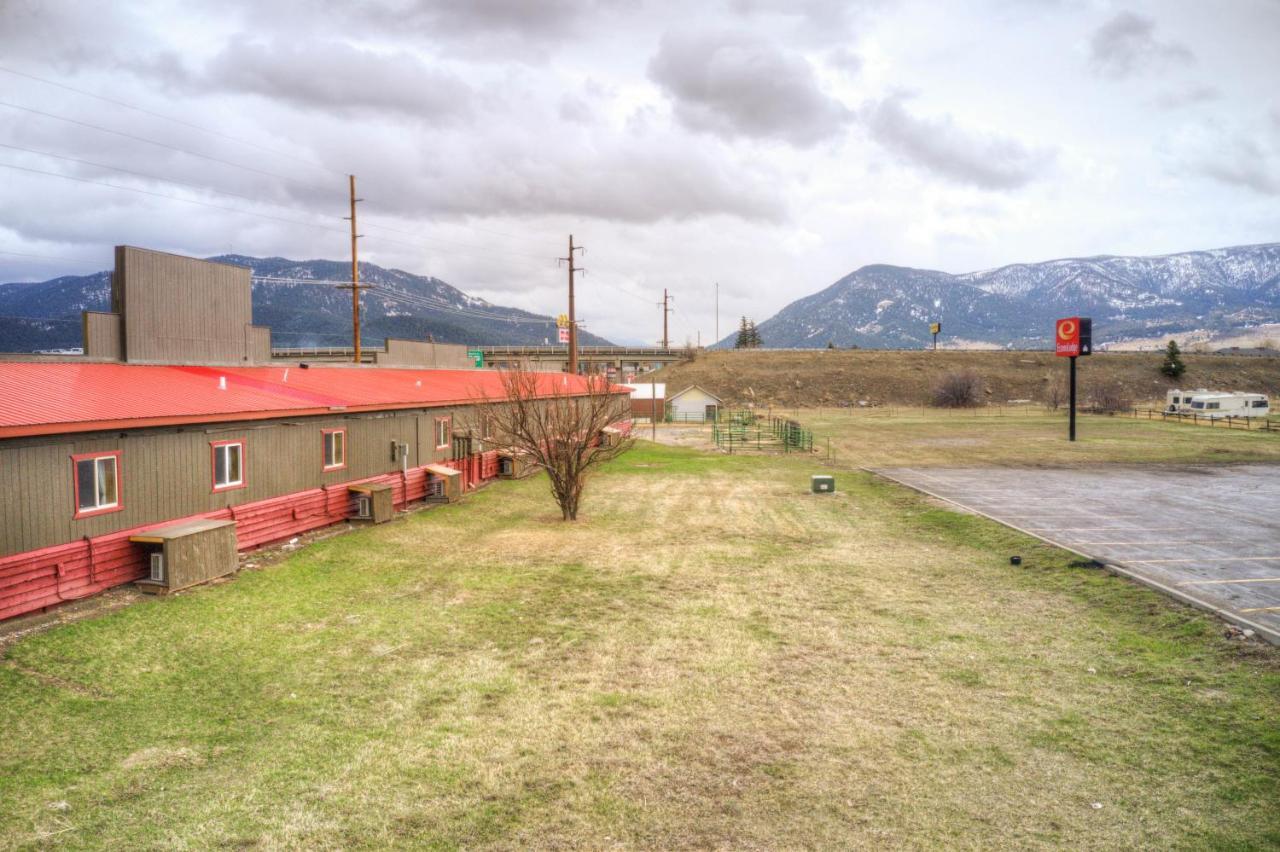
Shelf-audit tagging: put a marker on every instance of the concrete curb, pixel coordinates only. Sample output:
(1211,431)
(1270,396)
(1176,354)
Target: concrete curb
(1119,568)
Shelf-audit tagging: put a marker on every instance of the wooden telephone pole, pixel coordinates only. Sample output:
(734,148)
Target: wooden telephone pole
(666,344)
(573,322)
(354,286)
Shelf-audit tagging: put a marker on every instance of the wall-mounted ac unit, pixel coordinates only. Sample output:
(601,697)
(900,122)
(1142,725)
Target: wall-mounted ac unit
(364,507)
(506,466)
(157,567)
(435,488)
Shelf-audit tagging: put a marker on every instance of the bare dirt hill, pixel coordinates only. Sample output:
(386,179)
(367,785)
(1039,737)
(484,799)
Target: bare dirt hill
(845,377)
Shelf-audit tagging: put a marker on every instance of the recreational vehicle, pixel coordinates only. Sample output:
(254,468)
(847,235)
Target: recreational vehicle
(1216,405)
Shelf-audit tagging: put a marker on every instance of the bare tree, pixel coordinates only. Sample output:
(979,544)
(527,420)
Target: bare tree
(1109,397)
(561,423)
(958,389)
(1056,392)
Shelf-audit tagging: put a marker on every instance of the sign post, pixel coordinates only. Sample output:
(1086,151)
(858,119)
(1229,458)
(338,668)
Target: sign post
(934,329)
(1073,337)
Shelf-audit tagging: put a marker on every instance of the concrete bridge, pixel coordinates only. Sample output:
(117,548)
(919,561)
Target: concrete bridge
(621,360)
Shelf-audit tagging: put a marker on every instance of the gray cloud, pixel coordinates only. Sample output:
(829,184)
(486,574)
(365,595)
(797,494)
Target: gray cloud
(741,85)
(1127,44)
(986,161)
(336,77)
(1188,97)
(550,19)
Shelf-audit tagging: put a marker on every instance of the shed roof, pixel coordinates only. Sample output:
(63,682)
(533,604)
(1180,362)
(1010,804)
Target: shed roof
(42,398)
(648,391)
(679,394)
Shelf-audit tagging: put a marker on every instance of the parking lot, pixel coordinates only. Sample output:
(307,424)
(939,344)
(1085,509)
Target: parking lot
(1208,535)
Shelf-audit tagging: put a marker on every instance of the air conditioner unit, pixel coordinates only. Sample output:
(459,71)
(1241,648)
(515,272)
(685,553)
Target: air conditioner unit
(506,466)
(435,488)
(157,567)
(364,507)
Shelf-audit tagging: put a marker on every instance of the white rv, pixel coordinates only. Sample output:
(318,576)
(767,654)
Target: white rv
(1218,404)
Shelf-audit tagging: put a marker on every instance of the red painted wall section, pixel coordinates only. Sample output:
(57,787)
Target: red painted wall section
(53,575)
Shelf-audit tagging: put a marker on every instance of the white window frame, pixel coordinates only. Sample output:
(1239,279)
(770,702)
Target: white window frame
(329,450)
(97,460)
(221,482)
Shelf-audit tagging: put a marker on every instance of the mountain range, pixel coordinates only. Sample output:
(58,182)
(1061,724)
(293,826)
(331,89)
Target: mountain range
(301,310)
(883,306)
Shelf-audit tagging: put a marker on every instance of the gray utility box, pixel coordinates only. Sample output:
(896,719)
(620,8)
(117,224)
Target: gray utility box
(187,553)
(821,483)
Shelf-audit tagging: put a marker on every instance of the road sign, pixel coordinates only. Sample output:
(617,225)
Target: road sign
(476,355)
(935,328)
(564,335)
(1073,336)
(562,321)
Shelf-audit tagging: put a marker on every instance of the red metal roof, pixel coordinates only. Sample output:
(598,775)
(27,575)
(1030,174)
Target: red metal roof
(50,398)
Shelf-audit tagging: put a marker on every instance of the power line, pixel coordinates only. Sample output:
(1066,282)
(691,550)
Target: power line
(171,197)
(164,117)
(40,319)
(52,257)
(452,242)
(121,133)
(147,176)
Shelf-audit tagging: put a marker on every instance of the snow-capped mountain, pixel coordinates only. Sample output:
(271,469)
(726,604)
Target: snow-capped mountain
(399,304)
(1127,297)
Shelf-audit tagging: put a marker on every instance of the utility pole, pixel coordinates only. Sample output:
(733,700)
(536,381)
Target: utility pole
(666,343)
(354,286)
(573,322)
(717,312)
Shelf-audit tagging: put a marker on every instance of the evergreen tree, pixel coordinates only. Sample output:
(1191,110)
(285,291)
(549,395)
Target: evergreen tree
(756,342)
(744,335)
(1173,366)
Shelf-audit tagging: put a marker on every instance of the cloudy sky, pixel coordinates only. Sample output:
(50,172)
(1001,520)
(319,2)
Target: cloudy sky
(769,145)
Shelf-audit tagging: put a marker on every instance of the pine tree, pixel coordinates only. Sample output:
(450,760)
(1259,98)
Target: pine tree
(744,335)
(756,342)
(1173,366)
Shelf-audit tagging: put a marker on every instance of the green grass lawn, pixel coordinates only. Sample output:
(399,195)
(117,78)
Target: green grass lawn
(712,657)
(933,437)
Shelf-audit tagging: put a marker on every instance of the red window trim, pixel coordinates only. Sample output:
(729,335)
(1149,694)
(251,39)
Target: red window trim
(75,484)
(436,424)
(324,439)
(213,465)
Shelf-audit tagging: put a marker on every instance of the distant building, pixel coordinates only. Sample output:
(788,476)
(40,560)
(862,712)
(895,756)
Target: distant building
(693,404)
(648,401)
(174,442)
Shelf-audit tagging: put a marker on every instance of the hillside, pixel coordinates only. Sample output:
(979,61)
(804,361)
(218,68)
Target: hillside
(843,377)
(300,311)
(884,306)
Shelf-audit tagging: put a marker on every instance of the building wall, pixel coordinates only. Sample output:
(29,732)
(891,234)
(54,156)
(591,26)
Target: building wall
(181,310)
(103,336)
(692,404)
(167,473)
(420,353)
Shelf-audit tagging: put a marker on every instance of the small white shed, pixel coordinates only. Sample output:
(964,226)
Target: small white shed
(693,404)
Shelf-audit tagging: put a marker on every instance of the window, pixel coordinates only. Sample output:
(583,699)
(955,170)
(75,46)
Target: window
(228,465)
(442,432)
(1197,404)
(1259,403)
(335,449)
(1213,405)
(97,483)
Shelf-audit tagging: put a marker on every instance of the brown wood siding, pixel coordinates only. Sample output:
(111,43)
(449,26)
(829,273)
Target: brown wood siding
(180,310)
(167,473)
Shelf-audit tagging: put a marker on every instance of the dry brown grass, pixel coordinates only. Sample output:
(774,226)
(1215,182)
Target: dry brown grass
(915,437)
(711,657)
(822,377)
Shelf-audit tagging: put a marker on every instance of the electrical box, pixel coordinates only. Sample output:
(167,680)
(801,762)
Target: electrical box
(822,483)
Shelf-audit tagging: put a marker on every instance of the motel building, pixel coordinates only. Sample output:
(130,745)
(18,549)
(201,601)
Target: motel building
(174,442)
